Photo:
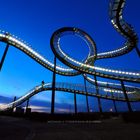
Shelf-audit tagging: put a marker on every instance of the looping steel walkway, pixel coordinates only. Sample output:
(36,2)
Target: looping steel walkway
(106,90)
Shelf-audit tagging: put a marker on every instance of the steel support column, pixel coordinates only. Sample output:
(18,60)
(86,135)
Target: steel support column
(27,104)
(138,51)
(75,103)
(4,55)
(97,92)
(53,87)
(114,102)
(14,104)
(115,108)
(126,97)
(86,95)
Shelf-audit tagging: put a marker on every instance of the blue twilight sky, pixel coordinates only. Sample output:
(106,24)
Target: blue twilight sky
(35,20)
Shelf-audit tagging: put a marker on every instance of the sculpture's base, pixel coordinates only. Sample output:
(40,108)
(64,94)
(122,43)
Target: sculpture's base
(15,128)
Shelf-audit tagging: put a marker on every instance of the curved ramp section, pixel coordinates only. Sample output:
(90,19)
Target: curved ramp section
(105,93)
(125,29)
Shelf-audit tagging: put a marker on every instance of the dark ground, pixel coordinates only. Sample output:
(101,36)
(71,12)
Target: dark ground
(110,129)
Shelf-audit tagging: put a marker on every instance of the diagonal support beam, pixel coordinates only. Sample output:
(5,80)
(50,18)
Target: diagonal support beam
(4,55)
(126,97)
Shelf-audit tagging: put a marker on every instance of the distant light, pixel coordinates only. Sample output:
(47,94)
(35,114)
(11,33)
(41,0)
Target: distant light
(111,110)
